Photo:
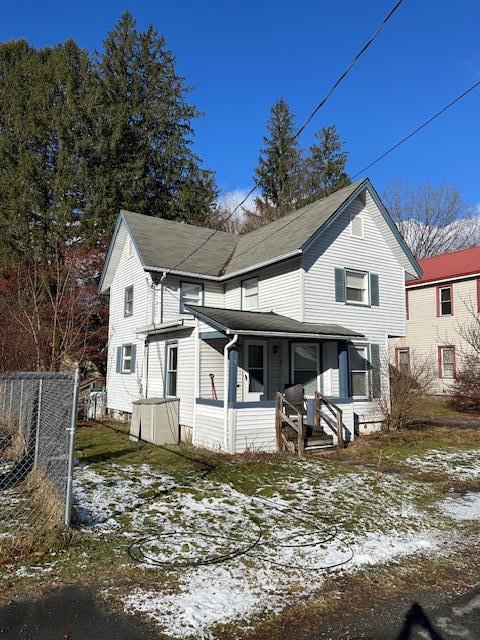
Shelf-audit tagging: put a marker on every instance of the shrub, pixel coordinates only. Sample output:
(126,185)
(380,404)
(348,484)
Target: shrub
(466,388)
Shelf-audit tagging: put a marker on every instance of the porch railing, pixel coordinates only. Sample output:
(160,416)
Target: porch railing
(334,419)
(288,415)
(294,420)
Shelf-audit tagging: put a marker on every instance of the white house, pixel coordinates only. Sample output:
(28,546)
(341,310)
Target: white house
(224,323)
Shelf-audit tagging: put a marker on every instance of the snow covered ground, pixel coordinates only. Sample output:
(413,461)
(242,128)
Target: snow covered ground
(236,557)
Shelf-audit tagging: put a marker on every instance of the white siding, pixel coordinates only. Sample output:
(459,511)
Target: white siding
(255,429)
(186,370)
(123,389)
(169,292)
(209,429)
(337,248)
(211,361)
(279,290)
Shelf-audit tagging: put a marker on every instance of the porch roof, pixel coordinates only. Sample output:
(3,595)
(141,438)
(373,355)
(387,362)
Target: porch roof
(259,323)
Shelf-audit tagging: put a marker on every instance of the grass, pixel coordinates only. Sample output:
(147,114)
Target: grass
(374,485)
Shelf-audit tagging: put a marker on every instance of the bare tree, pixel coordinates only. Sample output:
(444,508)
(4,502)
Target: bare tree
(227,217)
(54,314)
(431,219)
(403,402)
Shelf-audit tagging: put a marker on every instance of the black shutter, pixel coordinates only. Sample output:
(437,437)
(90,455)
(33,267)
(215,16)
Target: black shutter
(134,357)
(374,290)
(339,285)
(119,359)
(375,369)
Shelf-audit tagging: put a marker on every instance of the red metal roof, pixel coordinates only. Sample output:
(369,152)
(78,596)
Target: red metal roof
(449,265)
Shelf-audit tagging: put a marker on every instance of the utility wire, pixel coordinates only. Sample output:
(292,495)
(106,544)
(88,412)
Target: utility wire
(386,153)
(305,124)
(419,128)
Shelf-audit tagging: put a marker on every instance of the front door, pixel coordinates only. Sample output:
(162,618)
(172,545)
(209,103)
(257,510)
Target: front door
(255,371)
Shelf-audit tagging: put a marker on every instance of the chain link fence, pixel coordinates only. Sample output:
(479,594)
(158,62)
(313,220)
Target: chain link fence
(38,414)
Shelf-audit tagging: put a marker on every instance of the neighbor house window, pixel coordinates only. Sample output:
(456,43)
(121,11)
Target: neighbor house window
(127,358)
(446,362)
(359,374)
(128,302)
(305,369)
(356,287)
(356,225)
(445,300)
(403,360)
(250,294)
(190,293)
(172,365)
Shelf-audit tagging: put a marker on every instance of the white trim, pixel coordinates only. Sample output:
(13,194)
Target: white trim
(470,276)
(227,276)
(169,347)
(283,334)
(366,276)
(164,327)
(246,378)
(122,368)
(250,295)
(302,293)
(366,347)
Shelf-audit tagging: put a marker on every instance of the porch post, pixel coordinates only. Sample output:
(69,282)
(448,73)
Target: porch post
(232,374)
(196,381)
(343,385)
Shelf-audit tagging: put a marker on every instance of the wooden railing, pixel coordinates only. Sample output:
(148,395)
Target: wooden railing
(296,423)
(334,419)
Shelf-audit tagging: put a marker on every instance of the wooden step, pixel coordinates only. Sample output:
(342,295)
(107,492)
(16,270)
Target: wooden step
(318,442)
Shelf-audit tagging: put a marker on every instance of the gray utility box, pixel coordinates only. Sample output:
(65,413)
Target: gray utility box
(156,420)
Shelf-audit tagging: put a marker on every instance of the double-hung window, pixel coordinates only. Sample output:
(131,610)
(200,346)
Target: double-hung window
(445,300)
(250,294)
(446,361)
(190,293)
(356,287)
(359,371)
(403,360)
(128,302)
(172,368)
(127,358)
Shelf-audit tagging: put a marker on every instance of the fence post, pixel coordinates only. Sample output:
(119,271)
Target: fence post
(38,425)
(71,444)
(11,400)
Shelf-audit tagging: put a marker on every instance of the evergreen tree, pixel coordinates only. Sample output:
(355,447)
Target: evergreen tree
(42,141)
(324,168)
(280,163)
(142,158)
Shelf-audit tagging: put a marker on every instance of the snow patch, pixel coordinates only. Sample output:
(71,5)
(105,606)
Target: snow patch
(466,507)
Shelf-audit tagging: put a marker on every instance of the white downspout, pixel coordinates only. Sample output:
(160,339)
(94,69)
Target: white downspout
(226,349)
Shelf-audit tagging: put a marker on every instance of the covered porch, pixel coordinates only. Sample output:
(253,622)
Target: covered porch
(266,382)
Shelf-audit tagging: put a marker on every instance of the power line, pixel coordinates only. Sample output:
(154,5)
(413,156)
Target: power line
(305,124)
(419,128)
(386,153)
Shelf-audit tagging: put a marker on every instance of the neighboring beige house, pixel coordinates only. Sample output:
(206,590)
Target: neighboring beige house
(438,306)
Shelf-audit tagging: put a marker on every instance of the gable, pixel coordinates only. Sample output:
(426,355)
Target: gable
(114,256)
(165,245)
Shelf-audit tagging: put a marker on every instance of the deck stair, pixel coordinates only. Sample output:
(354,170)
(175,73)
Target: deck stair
(295,436)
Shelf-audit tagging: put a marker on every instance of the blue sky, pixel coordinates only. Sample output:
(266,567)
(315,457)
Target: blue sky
(241,57)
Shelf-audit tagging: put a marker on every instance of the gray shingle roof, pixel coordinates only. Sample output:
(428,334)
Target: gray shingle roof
(164,244)
(258,322)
